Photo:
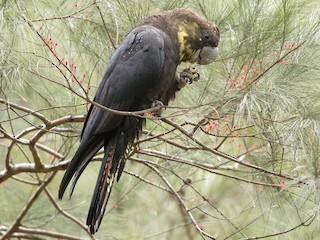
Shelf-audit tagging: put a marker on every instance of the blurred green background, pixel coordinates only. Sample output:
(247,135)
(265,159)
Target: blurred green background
(258,103)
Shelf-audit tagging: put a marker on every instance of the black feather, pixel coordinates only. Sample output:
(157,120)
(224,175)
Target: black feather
(104,184)
(142,70)
(123,87)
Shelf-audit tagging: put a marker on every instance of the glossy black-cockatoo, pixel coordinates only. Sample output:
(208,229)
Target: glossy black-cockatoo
(141,74)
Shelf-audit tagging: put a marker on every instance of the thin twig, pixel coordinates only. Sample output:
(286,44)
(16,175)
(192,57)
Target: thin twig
(15,226)
(202,233)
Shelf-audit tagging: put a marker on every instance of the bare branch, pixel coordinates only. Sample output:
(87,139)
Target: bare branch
(186,209)
(16,225)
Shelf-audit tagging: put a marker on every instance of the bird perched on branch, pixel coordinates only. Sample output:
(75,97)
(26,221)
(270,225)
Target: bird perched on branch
(141,74)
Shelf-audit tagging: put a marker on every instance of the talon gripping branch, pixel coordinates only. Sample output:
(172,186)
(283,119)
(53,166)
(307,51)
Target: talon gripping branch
(141,71)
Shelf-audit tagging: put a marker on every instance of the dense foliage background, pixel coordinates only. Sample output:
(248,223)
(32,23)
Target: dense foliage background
(235,156)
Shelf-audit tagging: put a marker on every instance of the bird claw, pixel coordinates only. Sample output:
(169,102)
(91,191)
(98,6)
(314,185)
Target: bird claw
(157,103)
(188,75)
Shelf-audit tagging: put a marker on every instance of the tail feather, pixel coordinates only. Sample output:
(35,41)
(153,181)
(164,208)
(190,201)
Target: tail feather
(114,154)
(115,144)
(82,167)
(82,157)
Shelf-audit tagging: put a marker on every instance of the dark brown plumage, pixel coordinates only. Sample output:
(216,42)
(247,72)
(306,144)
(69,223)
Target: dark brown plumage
(142,71)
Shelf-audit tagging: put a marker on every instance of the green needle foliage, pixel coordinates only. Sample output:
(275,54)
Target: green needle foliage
(235,156)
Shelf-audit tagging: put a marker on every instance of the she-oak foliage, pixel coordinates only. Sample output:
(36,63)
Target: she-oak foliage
(235,156)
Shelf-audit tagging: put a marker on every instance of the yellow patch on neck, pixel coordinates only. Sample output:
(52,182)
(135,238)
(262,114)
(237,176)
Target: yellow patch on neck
(186,50)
